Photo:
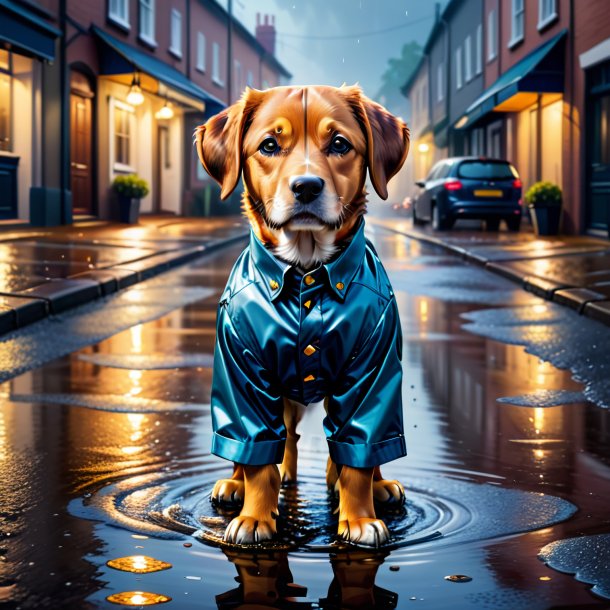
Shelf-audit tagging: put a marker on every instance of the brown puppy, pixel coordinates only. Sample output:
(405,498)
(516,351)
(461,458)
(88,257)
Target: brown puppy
(275,138)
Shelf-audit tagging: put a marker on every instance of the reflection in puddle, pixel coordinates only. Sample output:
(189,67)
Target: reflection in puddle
(544,398)
(138,564)
(138,598)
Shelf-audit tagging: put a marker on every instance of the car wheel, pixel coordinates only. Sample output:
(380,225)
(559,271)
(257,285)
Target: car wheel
(416,220)
(492,225)
(437,223)
(514,224)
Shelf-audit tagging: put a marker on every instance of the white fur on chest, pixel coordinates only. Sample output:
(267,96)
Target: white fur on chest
(305,248)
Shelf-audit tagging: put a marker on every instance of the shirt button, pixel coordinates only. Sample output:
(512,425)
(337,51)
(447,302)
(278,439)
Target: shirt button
(307,304)
(309,378)
(274,285)
(309,350)
(309,280)
(339,285)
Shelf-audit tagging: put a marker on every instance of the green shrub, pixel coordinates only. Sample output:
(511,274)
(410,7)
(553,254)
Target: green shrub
(544,194)
(131,186)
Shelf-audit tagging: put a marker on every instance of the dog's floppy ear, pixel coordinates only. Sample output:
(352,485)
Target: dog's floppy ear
(387,138)
(219,142)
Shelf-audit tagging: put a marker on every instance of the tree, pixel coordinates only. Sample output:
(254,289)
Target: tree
(396,75)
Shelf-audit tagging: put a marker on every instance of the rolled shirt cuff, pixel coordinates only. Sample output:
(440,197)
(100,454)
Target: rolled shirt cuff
(253,453)
(367,455)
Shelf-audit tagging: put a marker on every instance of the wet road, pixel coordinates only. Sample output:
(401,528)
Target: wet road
(104,454)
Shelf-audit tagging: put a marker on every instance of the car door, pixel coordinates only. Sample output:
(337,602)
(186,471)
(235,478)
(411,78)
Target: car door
(424,198)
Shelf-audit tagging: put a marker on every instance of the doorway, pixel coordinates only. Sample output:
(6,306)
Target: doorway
(82,100)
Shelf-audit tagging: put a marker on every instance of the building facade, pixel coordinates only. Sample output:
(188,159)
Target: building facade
(130,81)
(529,81)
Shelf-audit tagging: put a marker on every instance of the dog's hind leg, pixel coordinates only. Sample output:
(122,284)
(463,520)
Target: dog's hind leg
(293,413)
(230,492)
(385,491)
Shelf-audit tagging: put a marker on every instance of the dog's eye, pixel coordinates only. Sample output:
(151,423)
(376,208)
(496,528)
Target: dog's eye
(269,146)
(339,146)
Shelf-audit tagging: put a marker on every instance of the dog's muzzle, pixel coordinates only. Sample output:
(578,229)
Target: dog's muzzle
(306,188)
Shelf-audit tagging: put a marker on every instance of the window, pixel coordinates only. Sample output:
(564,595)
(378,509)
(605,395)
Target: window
(175,46)
(122,123)
(458,68)
(479,50)
(547,12)
(440,83)
(518,18)
(5,100)
(468,58)
(118,11)
(250,79)
(147,21)
(237,71)
(216,64)
(200,65)
(487,170)
(492,35)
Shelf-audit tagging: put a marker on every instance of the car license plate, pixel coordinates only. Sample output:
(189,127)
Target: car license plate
(487,193)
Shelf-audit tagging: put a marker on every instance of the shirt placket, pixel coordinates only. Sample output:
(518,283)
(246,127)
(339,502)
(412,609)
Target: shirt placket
(310,335)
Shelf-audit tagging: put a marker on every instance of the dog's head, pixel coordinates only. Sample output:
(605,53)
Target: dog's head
(304,153)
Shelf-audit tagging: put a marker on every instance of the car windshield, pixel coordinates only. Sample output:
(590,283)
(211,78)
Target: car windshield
(487,170)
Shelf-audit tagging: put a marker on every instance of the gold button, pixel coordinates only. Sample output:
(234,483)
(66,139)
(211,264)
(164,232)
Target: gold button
(307,304)
(309,280)
(309,378)
(340,285)
(309,350)
(274,285)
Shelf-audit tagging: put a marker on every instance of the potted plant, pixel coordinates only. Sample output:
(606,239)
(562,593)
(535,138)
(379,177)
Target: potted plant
(130,189)
(544,201)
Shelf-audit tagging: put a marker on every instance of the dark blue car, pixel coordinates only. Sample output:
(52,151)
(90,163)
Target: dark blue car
(470,187)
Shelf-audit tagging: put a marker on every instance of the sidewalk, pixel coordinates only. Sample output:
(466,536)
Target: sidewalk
(45,271)
(571,271)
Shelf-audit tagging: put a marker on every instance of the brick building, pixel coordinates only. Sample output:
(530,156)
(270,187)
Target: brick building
(527,80)
(130,81)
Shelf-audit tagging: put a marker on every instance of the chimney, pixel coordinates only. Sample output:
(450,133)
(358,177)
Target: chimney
(265,33)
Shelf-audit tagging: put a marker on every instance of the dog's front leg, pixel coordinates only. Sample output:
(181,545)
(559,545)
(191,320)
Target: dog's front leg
(257,520)
(386,491)
(357,520)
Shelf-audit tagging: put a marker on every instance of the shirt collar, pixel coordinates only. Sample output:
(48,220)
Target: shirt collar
(341,271)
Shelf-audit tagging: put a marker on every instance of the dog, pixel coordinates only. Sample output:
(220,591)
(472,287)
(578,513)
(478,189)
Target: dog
(308,313)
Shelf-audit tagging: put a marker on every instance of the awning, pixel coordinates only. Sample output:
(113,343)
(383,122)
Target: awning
(542,71)
(117,57)
(25,32)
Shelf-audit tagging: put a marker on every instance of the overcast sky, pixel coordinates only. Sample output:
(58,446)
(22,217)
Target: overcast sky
(335,41)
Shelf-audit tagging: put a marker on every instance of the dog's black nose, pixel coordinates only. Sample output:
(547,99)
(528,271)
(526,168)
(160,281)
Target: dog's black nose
(306,188)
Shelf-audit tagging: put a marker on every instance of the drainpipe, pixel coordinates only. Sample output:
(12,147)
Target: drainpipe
(230,53)
(64,119)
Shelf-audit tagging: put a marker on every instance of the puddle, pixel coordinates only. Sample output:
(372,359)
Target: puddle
(544,398)
(587,557)
(147,362)
(556,335)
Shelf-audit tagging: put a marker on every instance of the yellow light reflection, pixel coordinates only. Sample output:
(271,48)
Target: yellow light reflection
(139,564)
(136,338)
(135,377)
(538,454)
(138,598)
(423,310)
(538,419)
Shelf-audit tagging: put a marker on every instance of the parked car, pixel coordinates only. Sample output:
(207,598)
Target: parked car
(470,187)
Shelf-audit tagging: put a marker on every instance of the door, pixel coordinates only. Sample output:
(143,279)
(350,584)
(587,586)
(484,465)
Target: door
(163,164)
(81,149)
(598,187)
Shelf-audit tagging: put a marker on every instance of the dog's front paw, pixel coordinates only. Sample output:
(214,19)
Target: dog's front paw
(228,492)
(364,531)
(389,493)
(249,530)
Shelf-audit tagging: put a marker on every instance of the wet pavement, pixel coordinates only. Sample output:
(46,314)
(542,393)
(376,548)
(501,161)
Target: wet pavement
(104,455)
(570,270)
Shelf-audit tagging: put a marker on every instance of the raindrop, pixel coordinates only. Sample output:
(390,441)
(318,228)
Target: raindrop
(188,545)
(193,577)
(343,60)
(394,568)
(458,578)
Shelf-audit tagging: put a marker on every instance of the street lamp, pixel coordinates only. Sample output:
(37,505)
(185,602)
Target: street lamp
(167,112)
(423,148)
(135,97)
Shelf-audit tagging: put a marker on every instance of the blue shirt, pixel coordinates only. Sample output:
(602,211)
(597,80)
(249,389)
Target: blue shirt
(332,332)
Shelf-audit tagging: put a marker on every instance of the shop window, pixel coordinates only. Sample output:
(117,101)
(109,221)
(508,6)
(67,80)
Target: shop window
(200,65)
(5,101)
(517,22)
(118,12)
(122,122)
(147,21)
(547,12)
(175,46)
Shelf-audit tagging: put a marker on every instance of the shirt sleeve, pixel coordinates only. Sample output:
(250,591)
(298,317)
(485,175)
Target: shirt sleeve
(247,408)
(364,422)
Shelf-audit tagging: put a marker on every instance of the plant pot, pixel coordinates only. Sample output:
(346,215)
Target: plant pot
(547,219)
(129,209)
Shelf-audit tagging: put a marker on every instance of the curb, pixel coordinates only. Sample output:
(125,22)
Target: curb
(58,295)
(584,301)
